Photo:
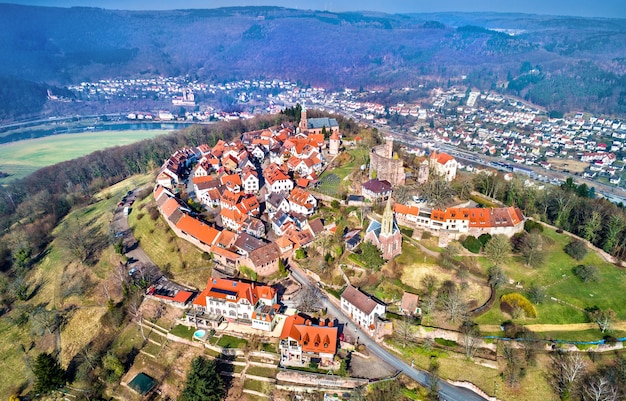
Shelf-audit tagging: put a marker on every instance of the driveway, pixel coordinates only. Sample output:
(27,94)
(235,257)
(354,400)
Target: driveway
(120,228)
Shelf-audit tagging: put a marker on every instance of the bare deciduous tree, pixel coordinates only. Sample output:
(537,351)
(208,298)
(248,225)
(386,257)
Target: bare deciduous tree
(603,318)
(470,336)
(498,249)
(308,299)
(599,388)
(404,330)
(532,249)
(567,369)
(452,303)
(134,308)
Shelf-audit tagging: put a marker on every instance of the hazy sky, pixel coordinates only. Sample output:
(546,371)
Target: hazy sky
(595,8)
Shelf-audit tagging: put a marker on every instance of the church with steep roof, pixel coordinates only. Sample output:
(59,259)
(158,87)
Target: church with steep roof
(385,235)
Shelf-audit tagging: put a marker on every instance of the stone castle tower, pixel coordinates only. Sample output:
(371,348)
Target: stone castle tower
(424,171)
(384,166)
(388,147)
(333,144)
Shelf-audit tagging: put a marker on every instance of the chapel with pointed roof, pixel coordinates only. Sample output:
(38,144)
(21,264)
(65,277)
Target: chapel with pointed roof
(385,235)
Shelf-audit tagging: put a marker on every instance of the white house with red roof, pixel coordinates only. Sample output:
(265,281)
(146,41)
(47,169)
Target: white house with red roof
(302,342)
(302,202)
(277,180)
(362,308)
(250,181)
(444,165)
(235,301)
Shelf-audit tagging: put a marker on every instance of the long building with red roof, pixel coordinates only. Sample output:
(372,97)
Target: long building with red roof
(463,221)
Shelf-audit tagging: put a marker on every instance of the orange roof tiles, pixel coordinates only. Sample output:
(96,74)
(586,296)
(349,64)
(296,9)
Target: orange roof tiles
(477,217)
(201,179)
(234,291)
(403,209)
(170,205)
(312,338)
(441,158)
(197,229)
(234,179)
(226,239)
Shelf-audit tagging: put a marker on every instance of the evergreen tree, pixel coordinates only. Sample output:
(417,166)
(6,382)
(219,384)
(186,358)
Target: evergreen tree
(48,373)
(203,382)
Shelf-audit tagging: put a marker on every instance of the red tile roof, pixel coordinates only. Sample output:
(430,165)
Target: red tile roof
(312,338)
(234,291)
(197,229)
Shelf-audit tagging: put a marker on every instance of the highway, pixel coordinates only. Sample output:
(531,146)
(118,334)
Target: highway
(447,391)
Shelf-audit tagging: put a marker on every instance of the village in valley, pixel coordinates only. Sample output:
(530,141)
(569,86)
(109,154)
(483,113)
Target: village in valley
(300,255)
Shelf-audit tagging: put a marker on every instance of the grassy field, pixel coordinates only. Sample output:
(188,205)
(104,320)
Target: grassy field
(22,158)
(573,166)
(332,179)
(572,293)
(182,259)
(83,308)
(227,341)
(533,387)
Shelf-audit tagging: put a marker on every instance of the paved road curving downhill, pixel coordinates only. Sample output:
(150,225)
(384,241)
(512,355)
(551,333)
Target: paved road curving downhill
(447,391)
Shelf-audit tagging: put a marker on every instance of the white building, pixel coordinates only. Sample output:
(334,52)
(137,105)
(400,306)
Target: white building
(362,308)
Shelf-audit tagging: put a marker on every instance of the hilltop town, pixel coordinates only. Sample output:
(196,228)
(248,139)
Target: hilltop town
(253,204)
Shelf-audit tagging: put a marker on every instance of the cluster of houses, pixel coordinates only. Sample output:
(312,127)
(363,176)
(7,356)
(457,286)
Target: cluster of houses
(259,184)
(261,181)
(301,339)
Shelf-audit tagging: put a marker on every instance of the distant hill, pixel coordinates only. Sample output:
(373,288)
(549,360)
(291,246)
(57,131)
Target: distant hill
(562,63)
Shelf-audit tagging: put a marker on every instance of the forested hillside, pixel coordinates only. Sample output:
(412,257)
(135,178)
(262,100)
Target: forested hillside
(559,62)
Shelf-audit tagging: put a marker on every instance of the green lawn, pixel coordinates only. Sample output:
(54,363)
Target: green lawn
(261,371)
(556,275)
(183,331)
(22,158)
(227,341)
(331,180)
(261,387)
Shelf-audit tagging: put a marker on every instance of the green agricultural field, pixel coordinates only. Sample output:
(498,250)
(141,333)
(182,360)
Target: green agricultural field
(22,158)
(559,281)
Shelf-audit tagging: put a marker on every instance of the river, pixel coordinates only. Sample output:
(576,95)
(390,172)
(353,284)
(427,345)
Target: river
(63,129)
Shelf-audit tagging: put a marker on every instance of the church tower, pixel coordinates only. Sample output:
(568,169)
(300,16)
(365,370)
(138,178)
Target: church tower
(387,224)
(304,124)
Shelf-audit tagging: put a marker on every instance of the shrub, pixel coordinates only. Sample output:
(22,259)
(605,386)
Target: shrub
(587,273)
(426,235)
(517,240)
(517,305)
(300,253)
(484,238)
(531,225)
(140,216)
(248,272)
(536,293)
(153,212)
(577,249)
(472,244)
